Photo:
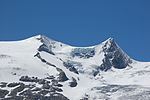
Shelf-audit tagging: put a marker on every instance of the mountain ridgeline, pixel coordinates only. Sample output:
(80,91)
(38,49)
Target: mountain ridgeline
(114,56)
(39,68)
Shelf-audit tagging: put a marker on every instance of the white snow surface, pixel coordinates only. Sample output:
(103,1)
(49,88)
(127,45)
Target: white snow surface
(17,59)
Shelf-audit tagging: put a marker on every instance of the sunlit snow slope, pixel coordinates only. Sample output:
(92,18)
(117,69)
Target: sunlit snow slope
(44,69)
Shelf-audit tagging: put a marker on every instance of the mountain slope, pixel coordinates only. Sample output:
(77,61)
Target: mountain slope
(42,68)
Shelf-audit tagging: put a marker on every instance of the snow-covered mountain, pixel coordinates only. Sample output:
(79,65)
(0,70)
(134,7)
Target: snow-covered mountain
(39,68)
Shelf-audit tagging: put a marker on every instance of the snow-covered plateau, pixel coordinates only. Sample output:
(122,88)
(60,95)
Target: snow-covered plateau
(39,68)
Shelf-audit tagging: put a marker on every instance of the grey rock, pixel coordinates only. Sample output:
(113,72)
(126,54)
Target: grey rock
(70,66)
(3,84)
(3,93)
(45,48)
(83,52)
(26,93)
(58,89)
(114,56)
(17,89)
(62,76)
(14,98)
(59,85)
(50,77)
(73,83)
(36,89)
(42,81)
(29,79)
(46,86)
(13,84)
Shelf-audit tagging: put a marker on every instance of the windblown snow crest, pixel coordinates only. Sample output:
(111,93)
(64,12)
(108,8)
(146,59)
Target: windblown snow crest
(40,68)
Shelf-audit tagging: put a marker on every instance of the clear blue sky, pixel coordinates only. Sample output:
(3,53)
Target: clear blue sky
(80,22)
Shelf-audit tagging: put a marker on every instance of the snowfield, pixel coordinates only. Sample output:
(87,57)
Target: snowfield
(39,68)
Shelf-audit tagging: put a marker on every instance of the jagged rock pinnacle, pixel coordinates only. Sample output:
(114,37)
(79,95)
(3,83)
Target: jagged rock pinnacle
(114,56)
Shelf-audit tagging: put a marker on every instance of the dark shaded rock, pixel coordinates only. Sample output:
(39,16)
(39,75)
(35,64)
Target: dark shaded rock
(59,85)
(50,64)
(29,79)
(37,55)
(26,93)
(46,86)
(16,90)
(119,61)
(43,60)
(58,89)
(73,83)
(42,81)
(31,92)
(3,93)
(13,84)
(30,86)
(70,66)
(95,73)
(114,56)
(62,76)
(36,89)
(14,73)
(54,82)
(50,77)
(44,92)
(83,52)
(106,65)
(85,97)
(40,94)
(14,98)
(72,69)
(57,96)
(45,48)
(3,84)
(52,89)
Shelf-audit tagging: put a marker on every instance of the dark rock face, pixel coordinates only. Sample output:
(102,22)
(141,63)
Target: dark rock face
(83,52)
(15,98)
(86,97)
(36,89)
(46,86)
(3,93)
(28,95)
(21,91)
(47,45)
(33,79)
(58,89)
(114,56)
(16,90)
(62,76)
(41,81)
(43,60)
(50,77)
(73,83)
(13,84)
(59,85)
(45,48)
(70,66)
(106,64)
(3,84)
(28,79)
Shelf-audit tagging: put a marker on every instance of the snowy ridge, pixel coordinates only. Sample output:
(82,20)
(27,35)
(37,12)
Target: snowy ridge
(51,70)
